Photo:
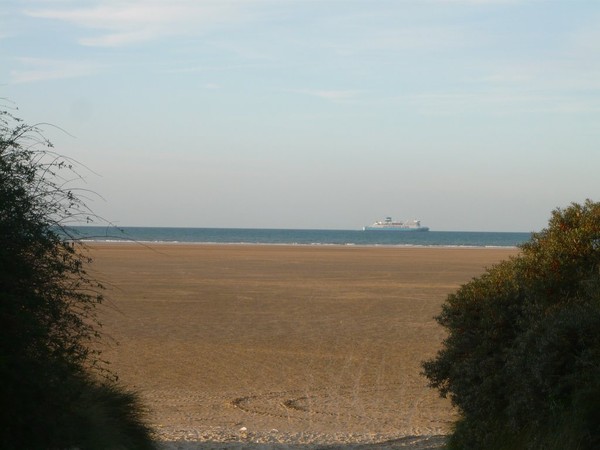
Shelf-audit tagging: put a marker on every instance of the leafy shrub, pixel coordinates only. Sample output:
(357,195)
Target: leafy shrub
(522,357)
(47,302)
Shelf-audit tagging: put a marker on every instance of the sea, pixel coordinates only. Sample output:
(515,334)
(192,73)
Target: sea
(301,237)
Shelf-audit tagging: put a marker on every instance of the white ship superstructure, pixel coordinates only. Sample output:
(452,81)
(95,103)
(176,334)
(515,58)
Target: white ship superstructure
(389,224)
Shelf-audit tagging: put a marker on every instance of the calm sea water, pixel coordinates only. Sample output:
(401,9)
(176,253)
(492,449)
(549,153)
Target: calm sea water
(303,237)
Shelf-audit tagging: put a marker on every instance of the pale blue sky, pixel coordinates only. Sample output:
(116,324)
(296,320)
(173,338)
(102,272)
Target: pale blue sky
(475,115)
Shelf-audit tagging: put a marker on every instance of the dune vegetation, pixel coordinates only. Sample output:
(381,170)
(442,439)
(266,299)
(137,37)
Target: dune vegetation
(55,390)
(521,361)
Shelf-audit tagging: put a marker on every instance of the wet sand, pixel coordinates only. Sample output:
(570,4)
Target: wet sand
(250,346)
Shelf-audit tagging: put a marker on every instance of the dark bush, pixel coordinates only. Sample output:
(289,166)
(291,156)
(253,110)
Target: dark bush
(48,371)
(521,361)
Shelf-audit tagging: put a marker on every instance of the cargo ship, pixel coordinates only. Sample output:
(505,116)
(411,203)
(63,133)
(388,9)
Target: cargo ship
(389,225)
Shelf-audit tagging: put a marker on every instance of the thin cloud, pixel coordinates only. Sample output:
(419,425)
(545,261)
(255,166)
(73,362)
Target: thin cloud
(567,74)
(585,42)
(420,38)
(38,69)
(331,95)
(115,20)
(498,102)
(118,39)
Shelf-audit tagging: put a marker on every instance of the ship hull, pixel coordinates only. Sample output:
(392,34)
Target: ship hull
(371,228)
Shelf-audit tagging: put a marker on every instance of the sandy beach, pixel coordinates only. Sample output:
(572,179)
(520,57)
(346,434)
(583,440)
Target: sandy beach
(250,346)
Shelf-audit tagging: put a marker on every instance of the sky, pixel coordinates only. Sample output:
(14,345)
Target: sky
(470,115)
